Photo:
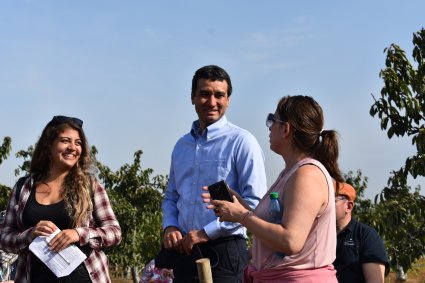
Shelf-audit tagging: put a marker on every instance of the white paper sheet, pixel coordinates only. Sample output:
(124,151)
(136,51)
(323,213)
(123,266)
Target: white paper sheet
(62,263)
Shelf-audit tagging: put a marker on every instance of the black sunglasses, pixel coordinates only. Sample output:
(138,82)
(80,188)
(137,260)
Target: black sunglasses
(64,119)
(271,118)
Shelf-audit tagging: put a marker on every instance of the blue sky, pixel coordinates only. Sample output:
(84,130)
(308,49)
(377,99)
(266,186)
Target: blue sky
(125,68)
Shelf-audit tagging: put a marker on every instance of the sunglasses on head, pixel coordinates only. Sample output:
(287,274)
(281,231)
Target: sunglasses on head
(64,119)
(271,118)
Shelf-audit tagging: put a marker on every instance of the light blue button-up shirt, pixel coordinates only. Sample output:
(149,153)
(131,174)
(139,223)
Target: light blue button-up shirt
(223,152)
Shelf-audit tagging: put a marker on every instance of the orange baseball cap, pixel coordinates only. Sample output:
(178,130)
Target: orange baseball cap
(346,190)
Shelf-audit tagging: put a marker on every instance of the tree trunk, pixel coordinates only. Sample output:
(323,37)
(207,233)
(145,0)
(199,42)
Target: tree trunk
(135,274)
(127,272)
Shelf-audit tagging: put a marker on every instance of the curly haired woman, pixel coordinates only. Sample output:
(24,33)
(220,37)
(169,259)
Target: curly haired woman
(61,193)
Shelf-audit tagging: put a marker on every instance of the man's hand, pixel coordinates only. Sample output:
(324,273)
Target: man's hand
(192,238)
(172,238)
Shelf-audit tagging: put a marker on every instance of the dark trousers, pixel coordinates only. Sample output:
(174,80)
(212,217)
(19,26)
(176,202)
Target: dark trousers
(233,258)
(79,275)
(228,258)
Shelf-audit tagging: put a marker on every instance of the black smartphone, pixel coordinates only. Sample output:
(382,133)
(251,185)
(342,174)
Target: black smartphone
(220,191)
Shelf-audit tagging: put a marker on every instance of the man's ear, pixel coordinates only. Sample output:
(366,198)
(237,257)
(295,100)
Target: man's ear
(350,205)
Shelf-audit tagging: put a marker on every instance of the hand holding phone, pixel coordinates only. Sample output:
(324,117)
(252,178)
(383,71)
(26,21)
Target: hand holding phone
(220,191)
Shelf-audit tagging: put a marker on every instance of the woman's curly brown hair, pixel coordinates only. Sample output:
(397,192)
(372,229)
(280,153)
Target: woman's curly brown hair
(78,184)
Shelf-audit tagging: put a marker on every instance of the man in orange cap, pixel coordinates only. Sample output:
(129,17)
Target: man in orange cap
(360,253)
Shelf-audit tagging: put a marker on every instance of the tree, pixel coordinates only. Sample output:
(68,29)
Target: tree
(136,198)
(402,103)
(24,168)
(401,110)
(26,155)
(400,218)
(5,149)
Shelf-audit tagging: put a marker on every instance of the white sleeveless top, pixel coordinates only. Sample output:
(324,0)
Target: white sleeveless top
(320,247)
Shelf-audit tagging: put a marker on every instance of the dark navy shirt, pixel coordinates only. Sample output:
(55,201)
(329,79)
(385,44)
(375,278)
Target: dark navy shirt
(358,243)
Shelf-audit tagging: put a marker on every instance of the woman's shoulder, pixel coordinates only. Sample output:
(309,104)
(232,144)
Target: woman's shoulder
(307,178)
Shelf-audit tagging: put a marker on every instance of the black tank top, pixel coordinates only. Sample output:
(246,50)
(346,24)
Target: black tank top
(32,214)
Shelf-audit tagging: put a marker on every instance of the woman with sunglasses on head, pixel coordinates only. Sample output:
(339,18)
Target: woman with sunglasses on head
(302,247)
(61,192)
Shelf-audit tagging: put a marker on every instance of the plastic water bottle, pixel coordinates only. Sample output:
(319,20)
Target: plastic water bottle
(275,214)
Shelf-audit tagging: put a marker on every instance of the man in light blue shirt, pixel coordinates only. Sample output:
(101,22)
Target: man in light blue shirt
(214,150)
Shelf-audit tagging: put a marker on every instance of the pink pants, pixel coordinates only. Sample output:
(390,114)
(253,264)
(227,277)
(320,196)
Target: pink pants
(326,274)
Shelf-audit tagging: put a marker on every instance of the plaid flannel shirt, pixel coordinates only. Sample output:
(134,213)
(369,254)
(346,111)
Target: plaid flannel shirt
(100,231)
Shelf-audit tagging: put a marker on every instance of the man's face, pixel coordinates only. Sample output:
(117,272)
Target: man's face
(211,101)
(341,208)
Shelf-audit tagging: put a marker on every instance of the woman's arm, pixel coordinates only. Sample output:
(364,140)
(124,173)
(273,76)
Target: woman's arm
(306,195)
(12,238)
(104,229)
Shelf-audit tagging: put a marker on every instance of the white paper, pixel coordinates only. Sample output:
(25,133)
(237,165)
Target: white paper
(62,263)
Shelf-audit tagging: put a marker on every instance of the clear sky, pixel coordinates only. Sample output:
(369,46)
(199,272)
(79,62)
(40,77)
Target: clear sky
(125,68)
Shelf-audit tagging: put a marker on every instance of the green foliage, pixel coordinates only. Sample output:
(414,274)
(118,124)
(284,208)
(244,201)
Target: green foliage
(4,196)
(136,198)
(399,212)
(402,104)
(26,155)
(402,217)
(5,149)
(24,168)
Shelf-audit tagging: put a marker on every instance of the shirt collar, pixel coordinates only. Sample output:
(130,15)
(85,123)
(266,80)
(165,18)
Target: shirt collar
(350,226)
(211,131)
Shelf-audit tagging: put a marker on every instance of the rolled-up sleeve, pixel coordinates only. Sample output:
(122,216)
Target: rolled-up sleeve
(104,229)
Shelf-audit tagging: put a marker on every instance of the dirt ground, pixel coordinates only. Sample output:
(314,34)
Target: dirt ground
(413,276)
(115,280)
(416,275)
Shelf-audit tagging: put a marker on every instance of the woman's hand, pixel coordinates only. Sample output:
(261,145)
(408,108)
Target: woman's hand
(63,239)
(226,211)
(43,228)
(229,211)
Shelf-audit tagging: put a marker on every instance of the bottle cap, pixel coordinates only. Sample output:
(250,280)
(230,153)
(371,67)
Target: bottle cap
(274,195)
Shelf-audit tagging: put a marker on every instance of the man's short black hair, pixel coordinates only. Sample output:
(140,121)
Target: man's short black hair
(213,73)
